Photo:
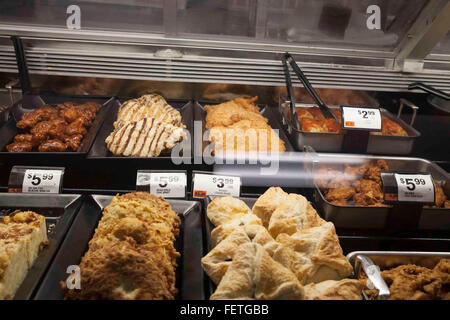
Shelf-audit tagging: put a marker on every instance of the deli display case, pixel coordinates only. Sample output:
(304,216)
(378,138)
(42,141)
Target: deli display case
(215,150)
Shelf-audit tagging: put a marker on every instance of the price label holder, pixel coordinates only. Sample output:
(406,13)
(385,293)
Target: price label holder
(209,184)
(407,192)
(25,179)
(167,184)
(358,123)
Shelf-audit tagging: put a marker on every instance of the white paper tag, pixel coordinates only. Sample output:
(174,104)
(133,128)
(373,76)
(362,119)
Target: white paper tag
(41,181)
(361,118)
(415,187)
(168,184)
(213,185)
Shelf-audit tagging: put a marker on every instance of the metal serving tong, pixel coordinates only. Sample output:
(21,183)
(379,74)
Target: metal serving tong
(372,271)
(287,57)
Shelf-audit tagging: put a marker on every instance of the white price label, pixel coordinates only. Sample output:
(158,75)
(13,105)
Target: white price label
(361,118)
(168,184)
(415,188)
(213,185)
(41,181)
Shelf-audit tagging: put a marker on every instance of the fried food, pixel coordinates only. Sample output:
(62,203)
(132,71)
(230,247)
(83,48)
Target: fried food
(439,196)
(311,125)
(412,282)
(339,194)
(50,128)
(131,255)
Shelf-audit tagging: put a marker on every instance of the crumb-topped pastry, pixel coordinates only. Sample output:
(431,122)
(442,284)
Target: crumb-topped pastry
(22,234)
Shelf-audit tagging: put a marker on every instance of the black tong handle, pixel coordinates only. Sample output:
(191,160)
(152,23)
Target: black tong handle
(290,92)
(429,89)
(22,65)
(301,76)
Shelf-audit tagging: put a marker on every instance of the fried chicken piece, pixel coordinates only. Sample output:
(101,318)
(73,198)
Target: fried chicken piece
(366,185)
(53,145)
(23,146)
(230,112)
(447,204)
(310,125)
(338,194)
(367,199)
(246,135)
(323,176)
(73,142)
(412,282)
(439,196)
(356,171)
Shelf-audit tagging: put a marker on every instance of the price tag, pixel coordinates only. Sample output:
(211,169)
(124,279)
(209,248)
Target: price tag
(41,181)
(162,184)
(408,187)
(361,118)
(214,185)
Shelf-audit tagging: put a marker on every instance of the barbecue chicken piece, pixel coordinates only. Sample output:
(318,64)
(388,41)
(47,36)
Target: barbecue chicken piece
(19,147)
(52,145)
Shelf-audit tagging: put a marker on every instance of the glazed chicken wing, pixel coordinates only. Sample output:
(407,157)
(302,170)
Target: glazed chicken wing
(73,142)
(23,146)
(53,145)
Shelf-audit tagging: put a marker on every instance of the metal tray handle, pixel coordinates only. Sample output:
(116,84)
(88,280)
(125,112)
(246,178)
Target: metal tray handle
(373,273)
(408,104)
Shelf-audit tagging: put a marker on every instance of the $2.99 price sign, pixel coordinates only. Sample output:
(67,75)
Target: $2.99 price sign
(41,181)
(214,185)
(361,118)
(408,187)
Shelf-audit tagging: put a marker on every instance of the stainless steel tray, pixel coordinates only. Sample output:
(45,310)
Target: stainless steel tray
(333,142)
(59,211)
(189,274)
(357,217)
(390,259)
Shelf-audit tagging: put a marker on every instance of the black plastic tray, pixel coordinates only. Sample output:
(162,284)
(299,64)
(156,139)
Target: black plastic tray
(190,277)
(10,130)
(59,211)
(265,110)
(99,149)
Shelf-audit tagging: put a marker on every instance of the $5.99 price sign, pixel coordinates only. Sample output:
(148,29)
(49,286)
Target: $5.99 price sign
(408,187)
(41,181)
(214,185)
(361,118)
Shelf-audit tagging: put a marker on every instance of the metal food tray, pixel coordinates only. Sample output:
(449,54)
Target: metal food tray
(358,217)
(9,130)
(391,259)
(59,211)
(333,142)
(265,111)
(190,279)
(99,149)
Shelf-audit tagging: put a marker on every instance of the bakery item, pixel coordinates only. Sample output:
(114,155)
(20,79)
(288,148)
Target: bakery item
(22,235)
(253,274)
(314,254)
(346,289)
(144,138)
(223,209)
(267,203)
(224,230)
(293,214)
(217,261)
(147,106)
(131,255)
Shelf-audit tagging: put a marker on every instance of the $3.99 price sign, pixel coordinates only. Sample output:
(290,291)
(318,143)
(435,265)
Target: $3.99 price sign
(214,185)
(361,118)
(408,187)
(41,181)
